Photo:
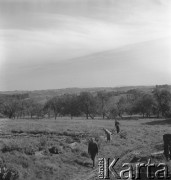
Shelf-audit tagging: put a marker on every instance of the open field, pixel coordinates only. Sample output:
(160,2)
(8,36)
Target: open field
(25,145)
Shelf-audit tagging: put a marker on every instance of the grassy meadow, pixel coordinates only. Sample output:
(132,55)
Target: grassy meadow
(25,144)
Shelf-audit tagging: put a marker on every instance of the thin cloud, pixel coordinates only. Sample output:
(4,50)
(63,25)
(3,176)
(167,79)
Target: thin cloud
(36,34)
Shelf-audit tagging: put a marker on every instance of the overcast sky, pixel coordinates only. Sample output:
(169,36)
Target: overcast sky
(51,44)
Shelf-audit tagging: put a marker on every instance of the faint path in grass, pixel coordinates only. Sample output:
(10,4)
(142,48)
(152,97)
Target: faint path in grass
(93,174)
(87,175)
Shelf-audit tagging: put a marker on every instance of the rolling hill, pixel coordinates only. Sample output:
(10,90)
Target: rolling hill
(42,95)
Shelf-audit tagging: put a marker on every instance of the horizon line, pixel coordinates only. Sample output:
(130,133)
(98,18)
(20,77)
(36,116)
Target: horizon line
(122,86)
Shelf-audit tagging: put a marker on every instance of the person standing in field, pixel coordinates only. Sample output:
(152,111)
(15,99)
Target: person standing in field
(92,150)
(117,126)
(108,134)
(167,146)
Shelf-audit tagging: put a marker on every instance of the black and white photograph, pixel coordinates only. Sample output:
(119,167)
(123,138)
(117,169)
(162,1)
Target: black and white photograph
(85,89)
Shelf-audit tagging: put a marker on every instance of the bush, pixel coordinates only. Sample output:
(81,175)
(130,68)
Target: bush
(10,147)
(29,150)
(18,146)
(7,173)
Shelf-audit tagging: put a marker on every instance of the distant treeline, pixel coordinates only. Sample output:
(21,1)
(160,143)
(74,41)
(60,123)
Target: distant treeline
(108,105)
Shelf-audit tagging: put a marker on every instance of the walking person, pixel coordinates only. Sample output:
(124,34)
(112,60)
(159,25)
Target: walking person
(92,150)
(117,124)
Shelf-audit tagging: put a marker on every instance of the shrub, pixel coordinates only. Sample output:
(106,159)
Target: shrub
(10,147)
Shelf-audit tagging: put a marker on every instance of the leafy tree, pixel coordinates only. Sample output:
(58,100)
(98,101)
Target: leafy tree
(144,105)
(121,106)
(113,112)
(131,98)
(71,105)
(47,108)
(11,105)
(10,108)
(163,100)
(87,104)
(34,108)
(55,105)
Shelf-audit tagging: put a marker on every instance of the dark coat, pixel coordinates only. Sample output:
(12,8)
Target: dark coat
(92,149)
(167,145)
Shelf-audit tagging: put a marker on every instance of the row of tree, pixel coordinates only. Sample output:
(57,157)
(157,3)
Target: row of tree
(105,104)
